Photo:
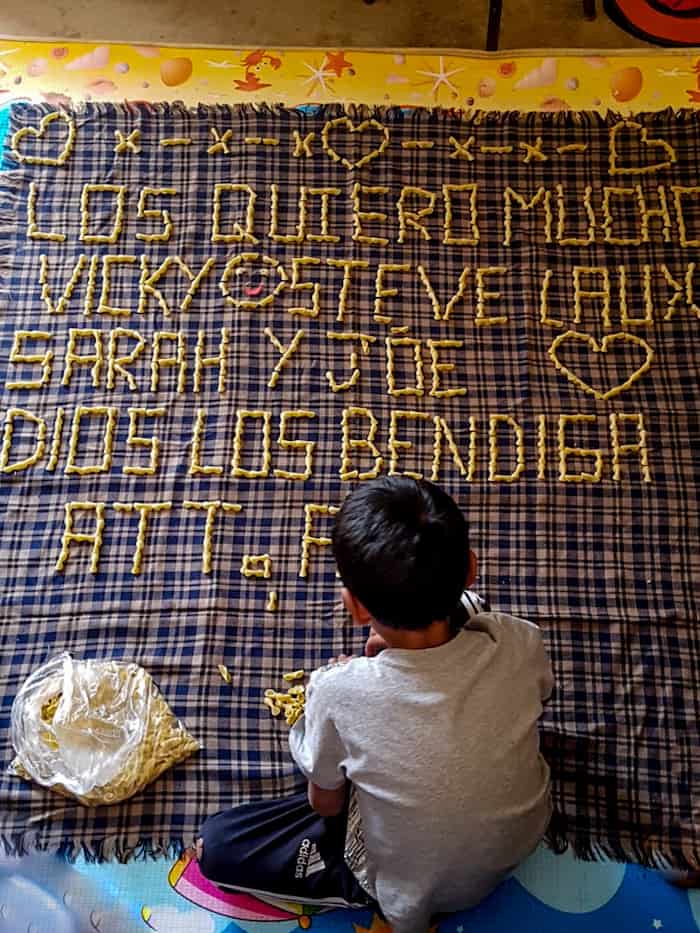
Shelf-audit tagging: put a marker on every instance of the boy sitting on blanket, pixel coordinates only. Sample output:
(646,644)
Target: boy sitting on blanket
(426,785)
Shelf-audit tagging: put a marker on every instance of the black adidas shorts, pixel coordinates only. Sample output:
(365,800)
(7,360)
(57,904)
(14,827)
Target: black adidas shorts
(283,849)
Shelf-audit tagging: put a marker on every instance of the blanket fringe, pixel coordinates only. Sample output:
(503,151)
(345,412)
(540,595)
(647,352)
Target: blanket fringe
(96,851)
(561,836)
(126,849)
(33,112)
(10,187)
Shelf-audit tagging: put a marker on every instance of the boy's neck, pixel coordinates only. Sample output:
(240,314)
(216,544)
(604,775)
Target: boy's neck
(438,633)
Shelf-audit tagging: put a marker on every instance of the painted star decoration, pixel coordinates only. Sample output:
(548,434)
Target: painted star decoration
(657,924)
(378,926)
(440,78)
(337,63)
(318,78)
(333,66)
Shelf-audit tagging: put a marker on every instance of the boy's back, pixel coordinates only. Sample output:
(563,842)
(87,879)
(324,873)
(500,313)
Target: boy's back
(441,746)
(435,731)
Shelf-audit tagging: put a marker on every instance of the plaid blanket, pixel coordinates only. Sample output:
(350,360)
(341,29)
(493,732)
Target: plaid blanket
(505,303)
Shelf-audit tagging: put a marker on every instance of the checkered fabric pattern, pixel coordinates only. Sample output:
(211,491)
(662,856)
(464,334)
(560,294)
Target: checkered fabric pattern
(607,568)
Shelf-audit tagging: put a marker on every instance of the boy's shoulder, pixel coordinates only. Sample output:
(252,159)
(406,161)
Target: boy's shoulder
(337,687)
(339,674)
(501,626)
(503,619)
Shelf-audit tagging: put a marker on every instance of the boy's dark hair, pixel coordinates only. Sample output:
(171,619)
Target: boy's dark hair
(402,549)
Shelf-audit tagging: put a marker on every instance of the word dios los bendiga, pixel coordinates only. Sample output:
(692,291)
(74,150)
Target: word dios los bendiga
(497,447)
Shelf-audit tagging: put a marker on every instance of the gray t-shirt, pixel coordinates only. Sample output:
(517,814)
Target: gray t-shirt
(442,748)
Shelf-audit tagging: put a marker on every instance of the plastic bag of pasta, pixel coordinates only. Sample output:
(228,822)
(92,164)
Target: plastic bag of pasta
(99,731)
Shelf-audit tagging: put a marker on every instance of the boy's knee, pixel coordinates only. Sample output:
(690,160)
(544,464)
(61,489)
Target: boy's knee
(216,856)
(206,848)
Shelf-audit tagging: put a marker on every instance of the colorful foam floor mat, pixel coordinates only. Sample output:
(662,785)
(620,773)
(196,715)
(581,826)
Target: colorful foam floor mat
(549,894)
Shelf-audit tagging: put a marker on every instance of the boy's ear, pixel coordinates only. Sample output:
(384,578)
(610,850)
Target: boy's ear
(471,573)
(360,615)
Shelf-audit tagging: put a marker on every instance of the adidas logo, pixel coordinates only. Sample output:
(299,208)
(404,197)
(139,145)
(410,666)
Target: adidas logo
(309,860)
(315,863)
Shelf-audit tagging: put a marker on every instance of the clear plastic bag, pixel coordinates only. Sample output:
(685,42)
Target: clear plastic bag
(99,731)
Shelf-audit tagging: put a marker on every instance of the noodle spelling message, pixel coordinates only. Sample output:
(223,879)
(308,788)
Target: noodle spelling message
(341,309)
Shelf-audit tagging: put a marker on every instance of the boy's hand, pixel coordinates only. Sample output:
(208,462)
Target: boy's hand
(341,659)
(374,645)
(326,803)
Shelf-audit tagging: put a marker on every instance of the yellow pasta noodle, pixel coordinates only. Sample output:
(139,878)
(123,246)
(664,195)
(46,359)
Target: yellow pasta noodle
(360,128)
(117,364)
(359,216)
(95,359)
(221,141)
(286,353)
(10,417)
(461,150)
(494,475)
(145,510)
(257,565)
(154,214)
(565,451)
(533,153)
(298,262)
(70,536)
(56,441)
(391,343)
(639,447)
(129,143)
(396,445)
(411,218)
(365,342)
(29,131)
(381,291)
(220,360)
(238,234)
(291,703)
(308,540)
(363,443)
(103,306)
(19,357)
(286,444)
(272,602)
(33,232)
(438,368)
(76,275)
(88,189)
(158,361)
(449,238)
(150,443)
(482,296)
(111,415)
(196,467)
(348,266)
(302,147)
(243,415)
(442,430)
(212,509)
